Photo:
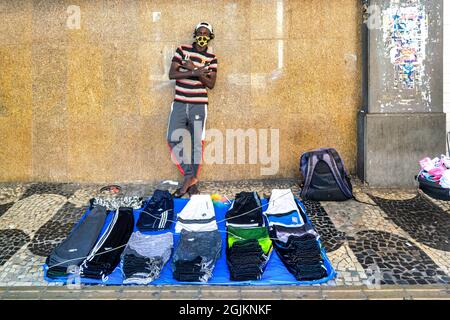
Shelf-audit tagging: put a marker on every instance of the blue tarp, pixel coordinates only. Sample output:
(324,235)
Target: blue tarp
(274,274)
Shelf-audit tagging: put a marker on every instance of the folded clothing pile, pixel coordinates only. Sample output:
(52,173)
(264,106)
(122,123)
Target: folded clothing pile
(197,215)
(283,210)
(248,251)
(105,256)
(158,213)
(436,170)
(246,211)
(77,246)
(196,255)
(145,256)
(248,243)
(294,240)
(302,257)
(282,233)
(199,245)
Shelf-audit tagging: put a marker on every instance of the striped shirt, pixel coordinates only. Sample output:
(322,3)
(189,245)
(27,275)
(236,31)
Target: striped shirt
(192,90)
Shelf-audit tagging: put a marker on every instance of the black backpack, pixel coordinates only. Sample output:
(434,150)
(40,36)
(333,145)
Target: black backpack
(325,177)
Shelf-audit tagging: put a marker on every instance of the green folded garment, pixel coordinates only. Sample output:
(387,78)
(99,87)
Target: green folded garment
(242,234)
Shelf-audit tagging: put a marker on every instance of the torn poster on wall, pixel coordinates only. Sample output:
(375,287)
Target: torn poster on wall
(405,33)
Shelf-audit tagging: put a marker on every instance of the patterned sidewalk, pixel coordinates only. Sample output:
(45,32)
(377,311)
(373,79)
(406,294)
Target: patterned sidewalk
(392,241)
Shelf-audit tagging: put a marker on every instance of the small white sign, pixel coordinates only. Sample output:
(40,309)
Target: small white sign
(156,16)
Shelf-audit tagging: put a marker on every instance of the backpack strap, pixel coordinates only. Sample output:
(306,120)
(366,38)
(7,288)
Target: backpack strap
(312,162)
(337,175)
(338,160)
(340,164)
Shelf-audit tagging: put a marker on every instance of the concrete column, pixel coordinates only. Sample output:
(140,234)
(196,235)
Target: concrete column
(403,120)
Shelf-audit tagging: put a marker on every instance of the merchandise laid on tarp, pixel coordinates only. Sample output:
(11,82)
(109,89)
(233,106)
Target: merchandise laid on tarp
(248,243)
(202,240)
(295,241)
(434,177)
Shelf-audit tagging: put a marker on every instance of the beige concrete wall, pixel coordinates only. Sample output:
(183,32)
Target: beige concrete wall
(92,104)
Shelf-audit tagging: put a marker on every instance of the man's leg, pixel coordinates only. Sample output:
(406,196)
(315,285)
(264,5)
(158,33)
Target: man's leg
(178,136)
(197,120)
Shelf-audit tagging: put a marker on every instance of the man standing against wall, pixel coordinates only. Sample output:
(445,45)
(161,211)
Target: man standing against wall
(194,69)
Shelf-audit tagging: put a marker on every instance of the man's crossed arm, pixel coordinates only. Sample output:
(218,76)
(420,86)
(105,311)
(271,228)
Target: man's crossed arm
(207,77)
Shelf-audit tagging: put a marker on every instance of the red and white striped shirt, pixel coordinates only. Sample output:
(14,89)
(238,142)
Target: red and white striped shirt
(192,90)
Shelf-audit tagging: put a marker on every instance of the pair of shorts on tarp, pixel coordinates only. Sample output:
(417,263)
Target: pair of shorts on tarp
(245,211)
(145,256)
(248,252)
(158,212)
(196,254)
(95,257)
(302,256)
(295,241)
(248,242)
(286,217)
(105,256)
(199,245)
(283,210)
(77,246)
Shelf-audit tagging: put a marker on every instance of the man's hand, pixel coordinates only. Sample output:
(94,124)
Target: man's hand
(201,72)
(188,64)
(208,79)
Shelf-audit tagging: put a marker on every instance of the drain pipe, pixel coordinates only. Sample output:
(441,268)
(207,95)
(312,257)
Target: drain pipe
(361,127)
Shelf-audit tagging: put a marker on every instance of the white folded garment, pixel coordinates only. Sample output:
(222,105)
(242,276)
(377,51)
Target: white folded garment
(283,209)
(197,215)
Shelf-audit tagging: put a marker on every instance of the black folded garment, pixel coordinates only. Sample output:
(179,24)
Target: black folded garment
(133,264)
(192,266)
(250,246)
(305,255)
(312,270)
(157,213)
(188,270)
(305,243)
(302,257)
(246,210)
(245,270)
(246,260)
(302,274)
(187,277)
(252,260)
(245,276)
(103,260)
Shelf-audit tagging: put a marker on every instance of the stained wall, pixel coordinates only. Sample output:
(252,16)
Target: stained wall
(91,104)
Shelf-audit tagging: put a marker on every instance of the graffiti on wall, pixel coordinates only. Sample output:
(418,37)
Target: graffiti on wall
(405,36)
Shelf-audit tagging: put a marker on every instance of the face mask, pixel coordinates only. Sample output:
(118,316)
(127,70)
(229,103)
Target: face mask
(202,41)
